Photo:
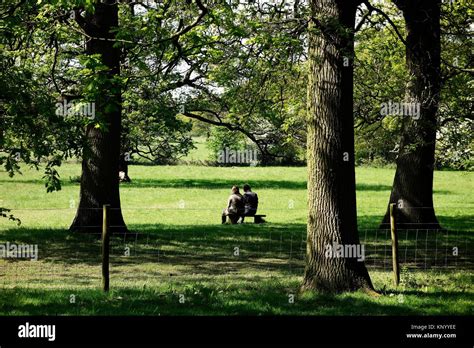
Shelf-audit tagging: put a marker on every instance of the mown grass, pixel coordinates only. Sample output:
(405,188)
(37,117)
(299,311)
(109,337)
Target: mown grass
(434,295)
(181,249)
(155,194)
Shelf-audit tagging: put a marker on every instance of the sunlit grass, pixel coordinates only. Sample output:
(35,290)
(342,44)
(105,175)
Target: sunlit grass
(155,194)
(192,254)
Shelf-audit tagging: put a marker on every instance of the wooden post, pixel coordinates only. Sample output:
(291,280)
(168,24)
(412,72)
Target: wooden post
(393,229)
(105,248)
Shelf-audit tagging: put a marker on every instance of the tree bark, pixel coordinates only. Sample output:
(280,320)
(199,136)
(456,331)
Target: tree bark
(100,164)
(412,188)
(332,216)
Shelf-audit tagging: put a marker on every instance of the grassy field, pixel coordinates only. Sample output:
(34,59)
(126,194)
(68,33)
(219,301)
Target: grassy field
(179,250)
(200,153)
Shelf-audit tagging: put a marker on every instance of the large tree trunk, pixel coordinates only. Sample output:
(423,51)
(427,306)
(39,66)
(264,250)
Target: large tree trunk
(99,180)
(332,216)
(412,188)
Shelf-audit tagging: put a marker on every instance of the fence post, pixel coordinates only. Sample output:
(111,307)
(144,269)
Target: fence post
(393,229)
(105,248)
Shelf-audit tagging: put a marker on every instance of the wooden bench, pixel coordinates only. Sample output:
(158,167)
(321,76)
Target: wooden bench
(257,219)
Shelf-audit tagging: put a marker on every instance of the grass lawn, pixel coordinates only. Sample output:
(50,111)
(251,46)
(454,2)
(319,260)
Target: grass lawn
(179,250)
(200,153)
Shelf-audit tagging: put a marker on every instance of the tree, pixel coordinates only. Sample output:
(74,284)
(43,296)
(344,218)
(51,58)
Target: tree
(156,34)
(412,188)
(100,164)
(47,36)
(31,133)
(379,75)
(247,79)
(332,214)
(455,138)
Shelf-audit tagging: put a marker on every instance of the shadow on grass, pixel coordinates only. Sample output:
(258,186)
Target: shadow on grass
(451,223)
(210,250)
(214,184)
(223,249)
(459,222)
(199,262)
(264,298)
(226,184)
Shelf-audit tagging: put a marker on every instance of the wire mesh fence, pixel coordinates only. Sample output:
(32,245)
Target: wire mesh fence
(221,251)
(180,252)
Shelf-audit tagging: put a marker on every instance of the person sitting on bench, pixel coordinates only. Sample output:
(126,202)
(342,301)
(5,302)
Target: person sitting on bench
(235,207)
(251,202)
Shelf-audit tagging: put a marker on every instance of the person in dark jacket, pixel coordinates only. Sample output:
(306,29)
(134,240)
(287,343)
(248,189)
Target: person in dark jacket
(235,206)
(250,201)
